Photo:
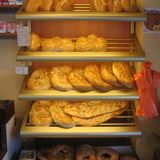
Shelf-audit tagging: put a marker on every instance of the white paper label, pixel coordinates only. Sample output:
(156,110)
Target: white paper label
(23,36)
(21,70)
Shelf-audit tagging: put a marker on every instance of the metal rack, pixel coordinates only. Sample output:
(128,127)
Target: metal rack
(117,50)
(123,125)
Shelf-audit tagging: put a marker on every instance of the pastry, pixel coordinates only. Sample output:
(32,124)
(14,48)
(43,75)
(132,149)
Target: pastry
(39,80)
(101,153)
(81,44)
(59,117)
(123,73)
(85,152)
(47,44)
(97,120)
(68,45)
(58,152)
(93,108)
(108,75)
(32,5)
(57,43)
(47,5)
(101,44)
(79,81)
(117,6)
(39,114)
(129,5)
(64,5)
(59,78)
(98,5)
(92,74)
(35,42)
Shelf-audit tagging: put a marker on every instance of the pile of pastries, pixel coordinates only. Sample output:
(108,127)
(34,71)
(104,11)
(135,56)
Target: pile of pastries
(82,152)
(57,44)
(102,77)
(70,114)
(68,5)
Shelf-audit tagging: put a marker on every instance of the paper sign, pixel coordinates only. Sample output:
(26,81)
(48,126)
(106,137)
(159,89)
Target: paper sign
(23,36)
(22,70)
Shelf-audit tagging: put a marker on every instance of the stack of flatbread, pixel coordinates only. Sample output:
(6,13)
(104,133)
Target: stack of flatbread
(86,113)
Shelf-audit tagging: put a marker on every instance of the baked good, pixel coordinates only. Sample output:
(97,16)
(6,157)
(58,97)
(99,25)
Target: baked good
(101,153)
(47,44)
(39,114)
(35,42)
(58,152)
(39,79)
(57,43)
(47,5)
(117,6)
(68,45)
(98,5)
(59,78)
(85,152)
(32,5)
(101,44)
(97,120)
(64,5)
(108,75)
(77,78)
(123,73)
(92,73)
(129,5)
(94,108)
(81,44)
(59,117)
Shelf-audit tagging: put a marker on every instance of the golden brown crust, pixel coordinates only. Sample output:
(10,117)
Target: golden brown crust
(68,45)
(64,5)
(129,5)
(108,75)
(93,121)
(98,5)
(85,151)
(32,5)
(59,78)
(35,42)
(47,5)
(39,114)
(58,115)
(102,151)
(123,73)
(39,79)
(93,108)
(92,73)
(79,81)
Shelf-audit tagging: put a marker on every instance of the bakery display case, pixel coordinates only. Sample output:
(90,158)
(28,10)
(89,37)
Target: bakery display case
(119,30)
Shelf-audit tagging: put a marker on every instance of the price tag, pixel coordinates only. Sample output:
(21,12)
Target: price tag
(21,70)
(23,36)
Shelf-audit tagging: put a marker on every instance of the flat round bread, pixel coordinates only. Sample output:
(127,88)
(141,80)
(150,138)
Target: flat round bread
(94,108)
(123,73)
(58,115)
(108,75)
(92,74)
(78,80)
(59,78)
(39,80)
(39,114)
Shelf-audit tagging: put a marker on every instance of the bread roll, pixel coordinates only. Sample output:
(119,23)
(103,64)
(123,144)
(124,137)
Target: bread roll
(92,73)
(32,5)
(98,5)
(35,42)
(59,78)
(64,5)
(39,80)
(81,44)
(123,73)
(47,44)
(68,45)
(129,5)
(39,114)
(47,5)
